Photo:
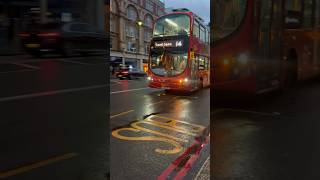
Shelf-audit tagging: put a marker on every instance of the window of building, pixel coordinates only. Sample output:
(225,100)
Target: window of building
(132,13)
(147,35)
(131,46)
(131,30)
(150,6)
(146,49)
(111,42)
(148,21)
(160,11)
(112,24)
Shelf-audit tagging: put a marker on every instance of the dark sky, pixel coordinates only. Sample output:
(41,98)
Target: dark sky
(200,7)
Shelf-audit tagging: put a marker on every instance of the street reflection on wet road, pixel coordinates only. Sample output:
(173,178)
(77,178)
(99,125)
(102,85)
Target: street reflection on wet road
(159,129)
(272,136)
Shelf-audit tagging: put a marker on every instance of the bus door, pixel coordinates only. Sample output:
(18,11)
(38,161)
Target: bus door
(268,60)
(194,70)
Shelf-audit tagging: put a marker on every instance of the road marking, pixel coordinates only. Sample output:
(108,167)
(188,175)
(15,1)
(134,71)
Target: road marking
(164,137)
(25,65)
(152,104)
(167,126)
(36,165)
(75,62)
(50,93)
(188,157)
(205,164)
(183,122)
(177,147)
(24,70)
(247,111)
(136,126)
(115,81)
(139,89)
(120,114)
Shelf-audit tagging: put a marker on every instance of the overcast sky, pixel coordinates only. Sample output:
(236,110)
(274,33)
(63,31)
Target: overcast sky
(200,7)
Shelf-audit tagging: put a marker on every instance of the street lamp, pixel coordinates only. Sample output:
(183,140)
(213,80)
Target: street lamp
(140,23)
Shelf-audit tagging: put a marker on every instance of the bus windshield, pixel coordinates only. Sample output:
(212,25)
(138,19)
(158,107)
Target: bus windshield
(228,15)
(172,25)
(168,63)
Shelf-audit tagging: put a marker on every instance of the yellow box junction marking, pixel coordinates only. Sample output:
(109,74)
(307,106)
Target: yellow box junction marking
(164,123)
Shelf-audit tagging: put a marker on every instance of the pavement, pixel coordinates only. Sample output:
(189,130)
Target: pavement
(53,118)
(271,136)
(156,134)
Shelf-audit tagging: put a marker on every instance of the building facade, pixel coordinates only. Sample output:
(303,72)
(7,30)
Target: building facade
(131,23)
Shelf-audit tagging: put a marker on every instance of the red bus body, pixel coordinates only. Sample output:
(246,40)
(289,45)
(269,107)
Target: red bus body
(257,61)
(191,78)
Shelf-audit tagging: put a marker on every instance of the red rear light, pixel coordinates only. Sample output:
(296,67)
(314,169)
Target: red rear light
(49,34)
(125,72)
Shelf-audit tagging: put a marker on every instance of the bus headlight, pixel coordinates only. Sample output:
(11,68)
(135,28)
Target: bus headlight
(150,78)
(186,80)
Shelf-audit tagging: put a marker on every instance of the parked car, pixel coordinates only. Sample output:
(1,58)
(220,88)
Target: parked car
(63,38)
(130,73)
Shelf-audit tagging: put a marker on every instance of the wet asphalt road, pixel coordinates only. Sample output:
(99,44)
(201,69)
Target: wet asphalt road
(154,133)
(53,118)
(274,136)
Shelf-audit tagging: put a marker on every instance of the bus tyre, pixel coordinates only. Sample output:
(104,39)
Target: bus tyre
(129,77)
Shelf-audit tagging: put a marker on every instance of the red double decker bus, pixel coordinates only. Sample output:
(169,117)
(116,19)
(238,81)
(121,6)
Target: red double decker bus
(179,52)
(263,45)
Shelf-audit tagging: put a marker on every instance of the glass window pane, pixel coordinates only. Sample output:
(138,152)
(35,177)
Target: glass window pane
(307,16)
(175,24)
(228,15)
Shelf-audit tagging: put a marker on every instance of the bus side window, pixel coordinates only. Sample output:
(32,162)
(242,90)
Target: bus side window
(206,67)
(196,29)
(308,15)
(265,20)
(201,63)
(202,34)
(293,18)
